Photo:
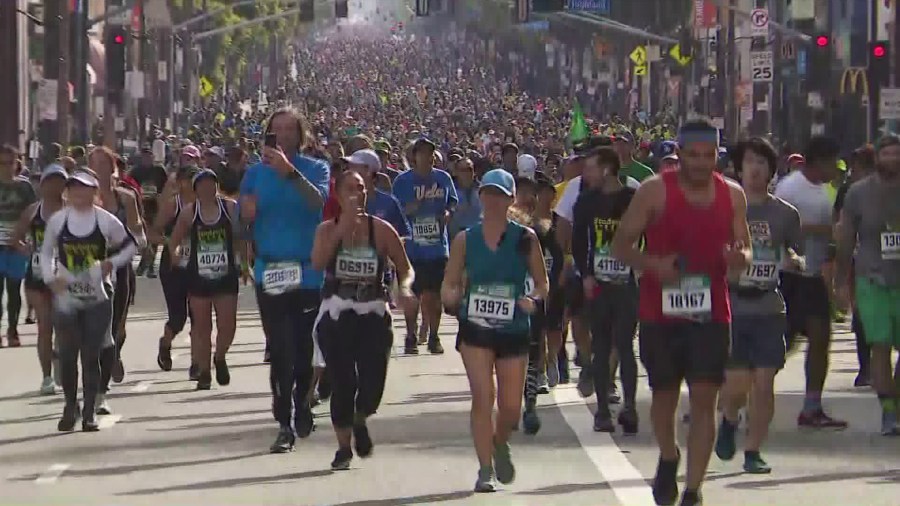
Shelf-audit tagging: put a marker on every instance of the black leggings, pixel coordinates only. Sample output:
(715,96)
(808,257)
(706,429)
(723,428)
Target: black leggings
(356,350)
(14,304)
(535,355)
(83,332)
(614,321)
(175,289)
(123,295)
(287,321)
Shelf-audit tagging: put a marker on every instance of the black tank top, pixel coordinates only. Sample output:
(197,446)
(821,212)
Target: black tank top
(33,278)
(356,273)
(212,249)
(78,254)
(185,245)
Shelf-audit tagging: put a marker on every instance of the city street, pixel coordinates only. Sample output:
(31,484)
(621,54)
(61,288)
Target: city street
(167,444)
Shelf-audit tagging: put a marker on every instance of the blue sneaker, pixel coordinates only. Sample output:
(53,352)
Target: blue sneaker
(725,442)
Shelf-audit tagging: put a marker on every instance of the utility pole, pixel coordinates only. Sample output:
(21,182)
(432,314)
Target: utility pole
(79,73)
(48,95)
(187,65)
(9,87)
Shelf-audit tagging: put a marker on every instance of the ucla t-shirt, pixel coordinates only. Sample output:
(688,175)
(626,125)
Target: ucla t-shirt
(285,224)
(436,194)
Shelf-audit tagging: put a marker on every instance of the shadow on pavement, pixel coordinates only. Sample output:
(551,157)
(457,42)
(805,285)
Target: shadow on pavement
(35,437)
(419,499)
(888,477)
(428,397)
(236,482)
(191,416)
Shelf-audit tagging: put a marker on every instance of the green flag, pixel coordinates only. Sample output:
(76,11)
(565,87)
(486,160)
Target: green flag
(579,130)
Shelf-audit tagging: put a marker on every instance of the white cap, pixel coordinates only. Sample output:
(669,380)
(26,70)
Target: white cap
(365,157)
(54,170)
(527,166)
(84,178)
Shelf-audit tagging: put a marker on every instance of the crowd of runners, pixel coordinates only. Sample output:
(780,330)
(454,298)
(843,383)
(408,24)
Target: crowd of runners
(452,193)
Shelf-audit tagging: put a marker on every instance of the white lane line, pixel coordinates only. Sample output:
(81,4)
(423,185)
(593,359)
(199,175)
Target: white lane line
(52,474)
(623,478)
(141,386)
(108,421)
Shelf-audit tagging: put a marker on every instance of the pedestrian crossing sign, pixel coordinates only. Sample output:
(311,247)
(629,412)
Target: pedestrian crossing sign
(676,55)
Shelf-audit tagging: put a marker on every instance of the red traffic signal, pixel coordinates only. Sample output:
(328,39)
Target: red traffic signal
(879,50)
(822,41)
(119,39)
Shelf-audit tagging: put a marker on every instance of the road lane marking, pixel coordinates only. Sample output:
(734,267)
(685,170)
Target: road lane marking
(623,478)
(108,421)
(52,474)
(141,386)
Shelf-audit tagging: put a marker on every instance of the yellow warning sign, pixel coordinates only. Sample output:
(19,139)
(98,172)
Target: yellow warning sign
(640,70)
(206,87)
(639,56)
(676,55)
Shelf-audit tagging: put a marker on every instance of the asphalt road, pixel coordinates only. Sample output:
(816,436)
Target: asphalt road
(168,444)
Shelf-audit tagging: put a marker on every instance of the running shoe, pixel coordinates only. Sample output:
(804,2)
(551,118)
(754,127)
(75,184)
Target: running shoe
(543,386)
(552,375)
(754,464)
(48,386)
(585,383)
(194,372)
(423,334)
(12,336)
(342,459)
(628,419)
(726,446)
(362,441)
(613,395)
(603,422)
(164,355)
(486,481)
(284,442)
(862,380)
(89,424)
(102,405)
(151,273)
(506,471)
(118,371)
(409,346)
(889,425)
(691,498)
(267,356)
(303,422)
(204,381)
(223,377)
(30,321)
(819,420)
(665,484)
(70,417)
(531,422)
(434,345)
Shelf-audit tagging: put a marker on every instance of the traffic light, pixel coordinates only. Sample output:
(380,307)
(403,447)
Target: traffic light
(879,62)
(307,10)
(341,9)
(116,45)
(820,59)
(686,42)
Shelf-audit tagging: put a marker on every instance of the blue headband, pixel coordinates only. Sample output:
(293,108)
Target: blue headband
(689,136)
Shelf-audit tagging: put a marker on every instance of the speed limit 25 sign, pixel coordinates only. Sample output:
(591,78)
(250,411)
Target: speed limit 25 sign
(761,66)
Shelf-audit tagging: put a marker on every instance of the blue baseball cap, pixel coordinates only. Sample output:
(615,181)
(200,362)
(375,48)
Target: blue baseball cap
(500,179)
(668,150)
(203,173)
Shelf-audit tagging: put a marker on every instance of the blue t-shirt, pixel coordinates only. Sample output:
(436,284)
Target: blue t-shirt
(285,225)
(436,195)
(385,206)
(468,212)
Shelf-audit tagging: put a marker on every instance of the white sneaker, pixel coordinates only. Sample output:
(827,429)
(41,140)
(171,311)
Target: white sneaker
(48,386)
(543,384)
(552,375)
(102,407)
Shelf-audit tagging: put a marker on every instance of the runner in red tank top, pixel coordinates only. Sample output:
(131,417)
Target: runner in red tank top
(695,224)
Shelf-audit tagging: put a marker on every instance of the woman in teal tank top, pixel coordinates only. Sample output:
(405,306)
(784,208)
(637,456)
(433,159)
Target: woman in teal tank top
(484,285)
